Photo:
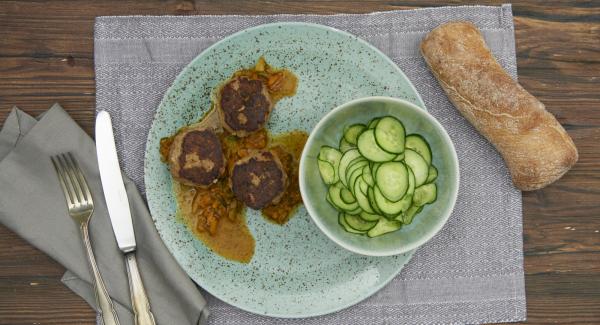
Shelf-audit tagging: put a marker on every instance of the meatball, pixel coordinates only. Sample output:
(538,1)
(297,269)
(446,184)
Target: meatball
(259,179)
(196,157)
(244,105)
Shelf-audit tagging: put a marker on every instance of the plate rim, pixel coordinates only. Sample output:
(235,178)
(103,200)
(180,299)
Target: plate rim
(236,304)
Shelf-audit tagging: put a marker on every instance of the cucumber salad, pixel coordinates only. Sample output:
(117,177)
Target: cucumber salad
(379,178)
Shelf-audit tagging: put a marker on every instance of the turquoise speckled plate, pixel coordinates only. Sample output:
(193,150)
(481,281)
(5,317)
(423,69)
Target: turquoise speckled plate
(296,270)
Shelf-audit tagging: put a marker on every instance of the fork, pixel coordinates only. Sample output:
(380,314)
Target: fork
(81,207)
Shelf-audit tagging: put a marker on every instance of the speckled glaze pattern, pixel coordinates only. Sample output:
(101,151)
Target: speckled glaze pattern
(296,270)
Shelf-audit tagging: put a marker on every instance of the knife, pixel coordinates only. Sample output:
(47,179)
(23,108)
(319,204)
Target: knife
(120,214)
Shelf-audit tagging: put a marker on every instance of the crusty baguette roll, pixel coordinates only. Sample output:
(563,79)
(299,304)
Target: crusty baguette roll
(536,148)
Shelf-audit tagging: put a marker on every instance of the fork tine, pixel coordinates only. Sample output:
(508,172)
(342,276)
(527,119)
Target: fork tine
(75,182)
(61,180)
(63,167)
(82,181)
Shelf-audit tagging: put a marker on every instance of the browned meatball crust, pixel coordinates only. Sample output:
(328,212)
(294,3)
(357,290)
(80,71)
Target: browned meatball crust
(259,180)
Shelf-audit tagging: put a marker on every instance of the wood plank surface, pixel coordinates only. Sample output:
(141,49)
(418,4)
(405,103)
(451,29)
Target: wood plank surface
(46,56)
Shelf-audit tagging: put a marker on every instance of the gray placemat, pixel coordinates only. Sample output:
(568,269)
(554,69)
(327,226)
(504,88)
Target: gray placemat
(471,272)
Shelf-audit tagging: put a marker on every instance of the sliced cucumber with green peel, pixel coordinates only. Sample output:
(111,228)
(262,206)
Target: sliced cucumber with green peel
(371,196)
(357,223)
(419,144)
(379,178)
(369,148)
(370,216)
(389,208)
(389,135)
(383,227)
(399,157)
(345,146)
(356,166)
(346,159)
(368,176)
(355,175)
(335,195)
(392,180)
(408,216)
(373,123)
(327,172)
(351,133)
(347,196)
(354,212)
(361,197)
(425,194)
(344,224)
(418,165)
(433,173)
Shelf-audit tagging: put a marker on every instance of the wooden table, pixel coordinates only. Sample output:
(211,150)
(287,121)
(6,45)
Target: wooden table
(46,57)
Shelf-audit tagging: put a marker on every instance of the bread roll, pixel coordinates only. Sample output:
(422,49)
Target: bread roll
(536,148)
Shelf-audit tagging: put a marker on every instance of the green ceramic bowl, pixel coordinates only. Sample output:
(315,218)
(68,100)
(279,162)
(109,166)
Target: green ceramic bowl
(416,120)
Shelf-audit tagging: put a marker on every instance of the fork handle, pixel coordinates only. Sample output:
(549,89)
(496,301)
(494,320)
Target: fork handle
(107,310)
(139,299)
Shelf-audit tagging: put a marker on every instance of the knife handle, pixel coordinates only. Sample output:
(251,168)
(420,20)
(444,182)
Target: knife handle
(139,299)
(105,306)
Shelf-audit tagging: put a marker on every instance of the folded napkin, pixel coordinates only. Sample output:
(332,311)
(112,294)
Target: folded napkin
(471,272)
(32,204)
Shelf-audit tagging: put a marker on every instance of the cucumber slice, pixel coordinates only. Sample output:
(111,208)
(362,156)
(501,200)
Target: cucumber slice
(374,170)
(433,173)
(373,123)
(345,146)
(357,223)
(392,180)
(389,134)
(371,196)
(354,212)
(327,172)
(355,175)
(335,195)
(347,158)
(406,201)
(332,156)
(399,157)
(369,216)
(417,143)
(389,208)
(361,197)
(370,149)
(368,176)
(351,133)
(342,222)
(409,215)
(347,196)
(425,194)
(356,165)
(418,165)
(361,185)
(383,227)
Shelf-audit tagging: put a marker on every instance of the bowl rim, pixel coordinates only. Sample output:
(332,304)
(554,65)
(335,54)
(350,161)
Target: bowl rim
(402,249)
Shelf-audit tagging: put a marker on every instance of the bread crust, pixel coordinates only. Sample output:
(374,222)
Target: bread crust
(535,147)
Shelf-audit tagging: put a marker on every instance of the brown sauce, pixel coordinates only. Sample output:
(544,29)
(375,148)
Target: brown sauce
(288,148)
(213,214)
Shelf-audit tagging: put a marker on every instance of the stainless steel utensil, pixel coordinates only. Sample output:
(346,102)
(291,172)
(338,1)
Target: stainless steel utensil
(81,207)
(120,214)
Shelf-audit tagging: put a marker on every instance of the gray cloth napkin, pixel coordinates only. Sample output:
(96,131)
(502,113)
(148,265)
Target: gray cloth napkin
(32,204)
(471,272)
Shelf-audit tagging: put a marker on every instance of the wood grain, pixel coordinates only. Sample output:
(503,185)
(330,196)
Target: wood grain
(46,56)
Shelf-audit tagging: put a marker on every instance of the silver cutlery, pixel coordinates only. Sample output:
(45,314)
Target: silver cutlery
(81,207)
(120,214)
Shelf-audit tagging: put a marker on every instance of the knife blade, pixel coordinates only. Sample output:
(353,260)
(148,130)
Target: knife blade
(112,184)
